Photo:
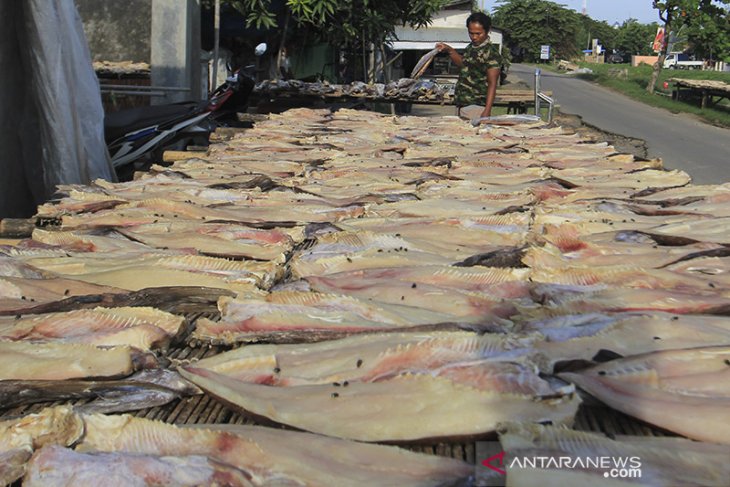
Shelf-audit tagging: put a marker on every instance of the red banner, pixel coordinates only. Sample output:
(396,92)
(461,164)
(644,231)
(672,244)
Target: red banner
(658,40)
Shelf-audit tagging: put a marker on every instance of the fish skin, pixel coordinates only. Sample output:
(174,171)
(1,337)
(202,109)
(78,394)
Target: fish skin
(272,456)
(57,466)
(143,389)
(409,407)
(684,391)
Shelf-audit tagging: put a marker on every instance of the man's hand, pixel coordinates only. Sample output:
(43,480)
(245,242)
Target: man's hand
(455,56)
(444,47)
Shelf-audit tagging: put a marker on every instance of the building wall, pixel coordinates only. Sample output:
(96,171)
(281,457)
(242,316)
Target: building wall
(117,30)
(650,60)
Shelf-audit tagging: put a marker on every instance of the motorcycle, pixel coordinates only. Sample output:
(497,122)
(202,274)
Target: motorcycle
(142,133)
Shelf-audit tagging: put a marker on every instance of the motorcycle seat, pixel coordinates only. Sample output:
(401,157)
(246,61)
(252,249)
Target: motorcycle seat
(118,124)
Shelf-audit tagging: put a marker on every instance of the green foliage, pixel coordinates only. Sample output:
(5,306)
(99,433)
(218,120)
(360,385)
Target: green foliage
(532,23)
(635,38)
(256,12)
(706,24)
(343,22)
(708,31)
(592,29)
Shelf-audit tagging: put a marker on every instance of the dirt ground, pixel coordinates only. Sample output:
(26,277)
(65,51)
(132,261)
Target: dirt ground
(623,144)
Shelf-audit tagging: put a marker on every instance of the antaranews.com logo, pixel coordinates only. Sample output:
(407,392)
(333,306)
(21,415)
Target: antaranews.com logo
(495,465)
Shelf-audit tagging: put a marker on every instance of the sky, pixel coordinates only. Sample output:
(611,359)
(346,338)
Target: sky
(610,10)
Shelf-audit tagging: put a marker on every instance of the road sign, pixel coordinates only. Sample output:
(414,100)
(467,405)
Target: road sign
(544,52)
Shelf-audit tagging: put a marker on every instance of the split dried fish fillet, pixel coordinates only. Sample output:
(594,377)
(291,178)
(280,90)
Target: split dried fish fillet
(584,336)
(405,407)
(368,357)
(270,456)
(286,316)
(57,466)
(139,327)
(685,391)
(59,361)
(18,294)
(20,437)
(222,240)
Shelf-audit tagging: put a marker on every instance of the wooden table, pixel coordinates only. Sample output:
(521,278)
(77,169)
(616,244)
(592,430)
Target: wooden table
(710,92)
(517,101)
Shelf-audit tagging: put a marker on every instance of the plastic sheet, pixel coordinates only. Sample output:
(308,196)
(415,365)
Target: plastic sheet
(51,116)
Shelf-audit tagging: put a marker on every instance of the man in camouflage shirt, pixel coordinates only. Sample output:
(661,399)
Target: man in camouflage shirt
(480,68)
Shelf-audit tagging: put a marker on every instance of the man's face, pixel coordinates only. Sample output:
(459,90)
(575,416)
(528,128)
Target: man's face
(477,33)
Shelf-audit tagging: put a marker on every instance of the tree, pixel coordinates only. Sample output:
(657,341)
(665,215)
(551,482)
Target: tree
(698,15)
(532,23)
(355,24)
(592,29)
(636,38)
(708,31)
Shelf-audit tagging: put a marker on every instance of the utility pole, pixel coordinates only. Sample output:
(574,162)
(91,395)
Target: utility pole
(216,44)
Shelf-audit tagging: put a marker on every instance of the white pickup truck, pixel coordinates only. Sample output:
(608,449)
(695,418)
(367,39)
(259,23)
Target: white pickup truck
(679,60)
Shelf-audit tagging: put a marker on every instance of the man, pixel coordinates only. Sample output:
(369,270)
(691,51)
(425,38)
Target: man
(480,68)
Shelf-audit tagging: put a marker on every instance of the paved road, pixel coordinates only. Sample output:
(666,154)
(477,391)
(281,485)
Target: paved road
(703,151)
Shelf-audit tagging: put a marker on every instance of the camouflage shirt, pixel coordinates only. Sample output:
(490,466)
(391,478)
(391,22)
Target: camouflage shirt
(471,89)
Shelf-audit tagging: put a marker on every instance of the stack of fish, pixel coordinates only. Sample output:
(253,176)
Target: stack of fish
(404,89)
(397,279)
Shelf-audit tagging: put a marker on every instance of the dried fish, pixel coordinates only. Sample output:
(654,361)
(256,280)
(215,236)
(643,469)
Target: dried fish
(270,456)
(423,63)
(383,410)
(685,391)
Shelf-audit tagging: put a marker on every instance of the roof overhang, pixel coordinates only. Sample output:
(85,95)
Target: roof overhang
(422,45)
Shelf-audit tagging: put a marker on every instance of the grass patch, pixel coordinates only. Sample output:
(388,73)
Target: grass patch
(632,82)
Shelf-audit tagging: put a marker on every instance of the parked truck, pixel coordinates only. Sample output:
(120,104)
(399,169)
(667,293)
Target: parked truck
(680,60)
